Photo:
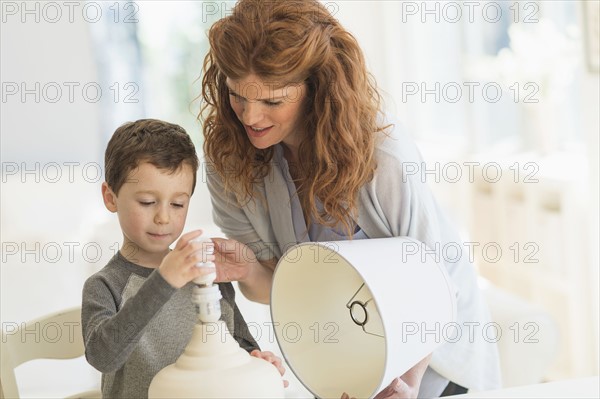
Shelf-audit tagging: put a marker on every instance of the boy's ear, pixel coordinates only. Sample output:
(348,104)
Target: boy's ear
(109,197)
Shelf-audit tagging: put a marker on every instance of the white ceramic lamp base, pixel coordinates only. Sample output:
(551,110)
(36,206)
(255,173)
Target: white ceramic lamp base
(214,366)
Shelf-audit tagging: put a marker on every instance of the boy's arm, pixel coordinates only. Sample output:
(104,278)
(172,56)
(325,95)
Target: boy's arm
(241,333)
(110,336)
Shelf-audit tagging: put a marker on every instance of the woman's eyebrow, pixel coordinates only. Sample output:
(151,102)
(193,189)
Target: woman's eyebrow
(256,99)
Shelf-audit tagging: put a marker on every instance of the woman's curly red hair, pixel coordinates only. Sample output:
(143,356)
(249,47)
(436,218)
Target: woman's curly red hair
(291,42)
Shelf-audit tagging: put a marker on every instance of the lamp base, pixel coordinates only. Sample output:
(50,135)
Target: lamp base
(214,366)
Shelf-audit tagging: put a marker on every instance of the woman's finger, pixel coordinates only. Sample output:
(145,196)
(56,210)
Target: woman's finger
(226,245)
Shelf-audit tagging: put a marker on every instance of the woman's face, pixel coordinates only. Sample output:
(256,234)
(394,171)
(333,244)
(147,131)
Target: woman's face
(270,115)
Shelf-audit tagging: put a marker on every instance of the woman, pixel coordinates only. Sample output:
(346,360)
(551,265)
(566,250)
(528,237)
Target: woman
(298,150)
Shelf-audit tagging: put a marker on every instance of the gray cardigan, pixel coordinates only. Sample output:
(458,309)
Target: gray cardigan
(394,203)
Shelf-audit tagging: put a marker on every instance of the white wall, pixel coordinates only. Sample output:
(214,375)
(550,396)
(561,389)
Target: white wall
(591,115)
(56,137)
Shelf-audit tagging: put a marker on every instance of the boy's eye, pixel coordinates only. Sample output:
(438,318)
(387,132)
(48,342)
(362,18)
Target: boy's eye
(146,203)
(177,205)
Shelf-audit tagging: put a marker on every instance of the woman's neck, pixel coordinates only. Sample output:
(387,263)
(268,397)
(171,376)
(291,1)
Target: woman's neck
(290,153)
(291,156)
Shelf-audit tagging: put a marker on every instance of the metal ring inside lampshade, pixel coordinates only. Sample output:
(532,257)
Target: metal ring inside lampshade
(358,313)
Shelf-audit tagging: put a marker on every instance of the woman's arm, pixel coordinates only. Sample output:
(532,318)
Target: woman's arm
(257,287)
(237,262)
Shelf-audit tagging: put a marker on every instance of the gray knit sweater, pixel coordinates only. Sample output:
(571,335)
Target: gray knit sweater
(135,324)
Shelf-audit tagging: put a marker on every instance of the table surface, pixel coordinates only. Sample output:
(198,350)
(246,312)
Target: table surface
(577,388)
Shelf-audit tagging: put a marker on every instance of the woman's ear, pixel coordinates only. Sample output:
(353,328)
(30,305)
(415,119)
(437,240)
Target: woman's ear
(109,197)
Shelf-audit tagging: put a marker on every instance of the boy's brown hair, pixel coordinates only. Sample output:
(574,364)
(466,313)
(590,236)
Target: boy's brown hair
(164,145)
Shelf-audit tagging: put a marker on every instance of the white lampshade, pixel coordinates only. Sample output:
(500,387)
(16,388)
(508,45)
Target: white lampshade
(350,316)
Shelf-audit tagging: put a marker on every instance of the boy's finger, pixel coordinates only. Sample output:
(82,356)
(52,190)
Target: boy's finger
(200,259)
(184,239)
(202,249)
(205,270)
(196,254)
(200,271)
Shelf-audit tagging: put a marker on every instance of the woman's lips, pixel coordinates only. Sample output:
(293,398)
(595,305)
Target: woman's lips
(257,133)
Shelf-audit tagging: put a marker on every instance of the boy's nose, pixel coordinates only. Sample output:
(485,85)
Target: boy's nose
(162,216)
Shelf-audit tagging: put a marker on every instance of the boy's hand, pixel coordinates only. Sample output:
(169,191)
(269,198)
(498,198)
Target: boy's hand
(274,360)
(179,266)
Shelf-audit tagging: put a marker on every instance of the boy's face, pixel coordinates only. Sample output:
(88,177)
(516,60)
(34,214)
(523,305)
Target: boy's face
(152,206)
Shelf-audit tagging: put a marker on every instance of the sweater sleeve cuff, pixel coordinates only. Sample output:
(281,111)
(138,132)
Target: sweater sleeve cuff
(159,287)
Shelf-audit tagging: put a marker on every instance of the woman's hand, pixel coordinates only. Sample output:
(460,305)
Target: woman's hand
(274,360)
(234,260)
(237,262)
(406,386)
(398,389)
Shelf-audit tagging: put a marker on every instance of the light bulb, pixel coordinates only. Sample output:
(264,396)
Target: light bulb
(208,248)
(206,295)
(208,303)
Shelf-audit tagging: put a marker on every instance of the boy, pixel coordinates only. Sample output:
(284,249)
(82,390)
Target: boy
(137,312)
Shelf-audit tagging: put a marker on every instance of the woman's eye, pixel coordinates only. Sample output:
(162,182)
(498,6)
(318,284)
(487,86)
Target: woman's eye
(236,96)
(177,205)
(273,103)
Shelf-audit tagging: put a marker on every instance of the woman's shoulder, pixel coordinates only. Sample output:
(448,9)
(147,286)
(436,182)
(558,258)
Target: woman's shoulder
(395,146)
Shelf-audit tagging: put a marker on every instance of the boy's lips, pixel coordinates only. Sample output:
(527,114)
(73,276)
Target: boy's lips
(159,236)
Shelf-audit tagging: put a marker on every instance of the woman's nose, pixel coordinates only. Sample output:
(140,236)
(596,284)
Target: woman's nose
(252,113)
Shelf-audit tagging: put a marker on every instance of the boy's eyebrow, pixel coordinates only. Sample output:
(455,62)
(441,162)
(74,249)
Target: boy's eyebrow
(256,99)
(154,192)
